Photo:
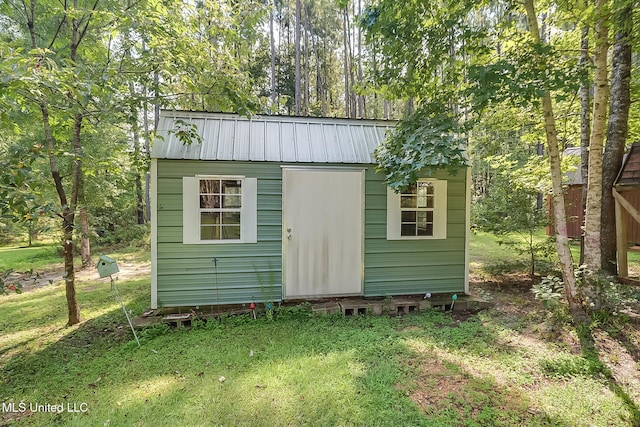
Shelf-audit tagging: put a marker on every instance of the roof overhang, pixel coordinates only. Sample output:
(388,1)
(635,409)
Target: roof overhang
(270,138)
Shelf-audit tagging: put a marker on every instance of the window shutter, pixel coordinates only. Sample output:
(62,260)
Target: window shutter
(393,215)
(440,214)
(190,209)
(249,225)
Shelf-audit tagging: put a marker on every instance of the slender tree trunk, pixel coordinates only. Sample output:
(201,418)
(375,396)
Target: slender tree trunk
(137,158)
(272,45)
(156,103)
(616,132)
(67,206)
(361,99)
(592,252)
(562,241)
(305,101)
(585,128)
(147,150)
(319,84)
(85,242)
(297,94)
(345,39)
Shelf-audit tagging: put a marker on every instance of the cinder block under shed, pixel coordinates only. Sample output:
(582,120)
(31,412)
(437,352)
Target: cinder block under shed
(178,320)
(325,308)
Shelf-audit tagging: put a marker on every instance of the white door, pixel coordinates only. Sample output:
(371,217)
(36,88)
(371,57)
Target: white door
(322,232)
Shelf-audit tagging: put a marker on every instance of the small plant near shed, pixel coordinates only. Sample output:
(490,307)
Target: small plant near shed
(267,289)
(549,291)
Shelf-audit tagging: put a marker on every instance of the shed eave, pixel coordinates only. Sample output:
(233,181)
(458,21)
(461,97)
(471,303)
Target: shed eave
(228,137)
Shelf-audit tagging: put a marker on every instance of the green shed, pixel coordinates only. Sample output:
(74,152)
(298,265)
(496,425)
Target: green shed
(288,208)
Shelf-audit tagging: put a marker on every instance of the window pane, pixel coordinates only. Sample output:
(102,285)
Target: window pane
(422,216)
(209,201)
(425,231)
(408,230)
(430,216)
(231,218)
(408,201)
(422,201)
(231,201)
(208,218)
(208,232)
(408,216)
(209,186)
(231,186)
(231,232)
(430,202)
(411,189)
(425,188)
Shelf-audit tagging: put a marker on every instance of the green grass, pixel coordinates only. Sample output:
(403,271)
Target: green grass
(37,257)
(45,257)
(487,255)
(428,369)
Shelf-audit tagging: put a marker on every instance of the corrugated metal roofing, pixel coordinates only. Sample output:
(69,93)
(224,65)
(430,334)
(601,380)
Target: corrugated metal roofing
(271,138)
(629,174)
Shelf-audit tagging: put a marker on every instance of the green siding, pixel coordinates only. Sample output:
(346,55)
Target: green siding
(246,272)
(399,267)
(253,272)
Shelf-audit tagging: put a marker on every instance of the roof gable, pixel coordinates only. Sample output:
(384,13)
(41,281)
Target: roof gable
(271,138)
(629,174)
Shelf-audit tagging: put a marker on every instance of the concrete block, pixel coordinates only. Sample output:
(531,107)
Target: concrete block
(425,305)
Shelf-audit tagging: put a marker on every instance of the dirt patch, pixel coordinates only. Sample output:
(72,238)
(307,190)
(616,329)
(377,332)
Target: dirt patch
(56,277)
(434,384)
(439,386)
(620,356)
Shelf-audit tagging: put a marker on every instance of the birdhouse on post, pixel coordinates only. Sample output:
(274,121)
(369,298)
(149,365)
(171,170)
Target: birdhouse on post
(107,266)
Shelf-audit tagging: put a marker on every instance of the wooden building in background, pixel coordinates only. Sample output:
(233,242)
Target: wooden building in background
(573,199)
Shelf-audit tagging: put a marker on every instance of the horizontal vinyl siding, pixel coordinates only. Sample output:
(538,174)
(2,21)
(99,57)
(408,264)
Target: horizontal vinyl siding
(246,271)
(400,267)
(253,272)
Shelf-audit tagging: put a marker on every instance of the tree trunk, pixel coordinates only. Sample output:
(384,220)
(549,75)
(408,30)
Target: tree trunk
(67,222)
(147,151)
(361,100)
(272,45)
(137,158)
(562,241)
(585,128)
(592,252)
(345,39)
(297,94)
(616,133)
(69,271)
(305,100)
(85,242)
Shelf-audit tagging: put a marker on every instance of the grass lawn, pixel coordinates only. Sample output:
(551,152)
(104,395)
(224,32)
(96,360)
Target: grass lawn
(37,257)
(509,365)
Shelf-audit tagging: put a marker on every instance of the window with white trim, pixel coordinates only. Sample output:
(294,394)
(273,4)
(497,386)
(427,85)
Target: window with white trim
(219,209)
(418,212)
(416,209)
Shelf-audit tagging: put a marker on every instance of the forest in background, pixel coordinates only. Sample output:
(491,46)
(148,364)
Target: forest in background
(82,83)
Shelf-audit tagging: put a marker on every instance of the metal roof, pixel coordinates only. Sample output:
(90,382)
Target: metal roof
(271,138)
(629,174)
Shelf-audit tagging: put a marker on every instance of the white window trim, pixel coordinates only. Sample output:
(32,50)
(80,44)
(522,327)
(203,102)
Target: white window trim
(191,210)
(439,213)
